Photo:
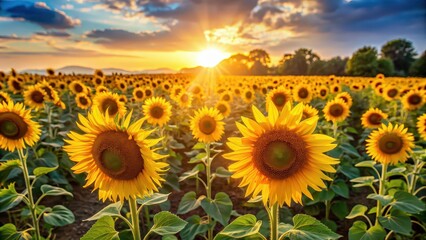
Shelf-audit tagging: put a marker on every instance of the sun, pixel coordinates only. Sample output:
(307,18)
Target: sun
(211,57)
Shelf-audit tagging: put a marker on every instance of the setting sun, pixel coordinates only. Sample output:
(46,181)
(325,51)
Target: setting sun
(211,57)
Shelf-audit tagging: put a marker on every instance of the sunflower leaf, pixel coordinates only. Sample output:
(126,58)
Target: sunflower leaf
(189,202)
(9,198)
(153,199)
(357,211)
(40,171)
(166,223)
(59,216)
(307,227)
(103,229)
(111,210)
(9,232)
(406,202)
(49,190)
(220,208)
(242,227)
(9,169)
(397,221)
(359,231)
(196,226)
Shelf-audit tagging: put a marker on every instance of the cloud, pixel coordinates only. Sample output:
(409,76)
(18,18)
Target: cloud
(41,14)
(53,34)
(67,6)
(13,37)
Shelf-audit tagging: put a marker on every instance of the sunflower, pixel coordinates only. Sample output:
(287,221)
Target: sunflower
(121,84)
(5,97)
(346,97)
(109,101)
(413,100)
(309,111)
(279,157)
(77,87)
(148,93)
(248,95)
(138,94)
(122,98)
(175,92)
(101,89)
(35,97)
(207,125)
(51,94)
(336,110)
(83,101)
(335,88)
(50,71)
(372,118)
(390,144)
(16,127)
(226,96)
(157,111)
(15,85)
(99,73)
(184,100)
(224,108)
(323,92)
(97,81)
(302,93)
(421,126)
(279,97)
(117,158)
(390,92)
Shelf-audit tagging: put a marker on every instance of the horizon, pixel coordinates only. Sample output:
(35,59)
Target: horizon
(150,34)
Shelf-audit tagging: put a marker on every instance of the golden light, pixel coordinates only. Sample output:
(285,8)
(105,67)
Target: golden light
(211,57)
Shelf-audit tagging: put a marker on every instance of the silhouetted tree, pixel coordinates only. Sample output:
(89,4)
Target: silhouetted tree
(418,68)
(297,63)
(235,65)
(363,62)
(385,66)
(260,60)
(401,52)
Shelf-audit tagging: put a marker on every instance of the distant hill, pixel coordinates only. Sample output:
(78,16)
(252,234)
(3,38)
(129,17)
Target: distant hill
(107,71)
(193,70)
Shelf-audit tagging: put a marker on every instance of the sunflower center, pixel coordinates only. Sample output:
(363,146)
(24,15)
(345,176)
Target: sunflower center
(390,143)
(375,118)
(78,88)
(12,126)
(336,110)
(48,91)
(117,156)
(148,93)
(279,154)
(111,105)
(226,97)
(83,101)
(392,93)
(222,108)
(345,99)
(37,96)
(323,92)
(249,95)
(279,99)
(139,94)
(156,112)
(414,99)
(16,85)
(303,93)
(207,125)
(184,98)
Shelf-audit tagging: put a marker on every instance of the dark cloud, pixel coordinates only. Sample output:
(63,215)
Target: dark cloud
(53,34)
(264,10)
(42,15)
(12,37)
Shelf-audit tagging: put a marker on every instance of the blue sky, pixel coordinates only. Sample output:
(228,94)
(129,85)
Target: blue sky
(140,34)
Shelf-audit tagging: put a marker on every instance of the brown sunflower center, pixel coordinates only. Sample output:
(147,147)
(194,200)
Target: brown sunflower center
(392,93)
(139,94)
(117,156)
(336,110)
(207,125)
(37,96)
(414,99)
(184,98)
(226,97)
(375,118)
(390,143)
(48,91)
(248,95)
(279,99)
(222,108)
(16,85)
(323,92)
(12,126)
(303,93)
(279,153)
(98,81)
(344,98)
(111,105)
(148,92)
(83,101)
(78,88)
(156,112)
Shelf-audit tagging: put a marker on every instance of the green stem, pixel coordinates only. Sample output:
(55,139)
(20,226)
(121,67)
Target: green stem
(274,221)
(209,187)
(32,206)
(335,129)
(381,192)
(327,209)
(135,219)
(147,218)
(49,121)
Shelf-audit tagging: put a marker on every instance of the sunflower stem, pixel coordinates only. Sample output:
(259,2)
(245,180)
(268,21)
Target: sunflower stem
(209,188)
(381,192)
(274,221)
(32,206)
(135,219)
(335,129)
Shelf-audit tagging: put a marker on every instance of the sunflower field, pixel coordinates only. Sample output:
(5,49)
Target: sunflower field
(180,156)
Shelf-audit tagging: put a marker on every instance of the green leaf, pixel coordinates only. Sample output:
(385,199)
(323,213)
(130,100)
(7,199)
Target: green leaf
(49,159)
(191,173)
(222,172)
(349,149)
(369,164)
(406,202)
(189,203)
(166,223)
(9,198)
(358,230)
(198,158)
(40,171)
(397,221)
(308,228)
(169,237)
(219,209)
(395,172)
(340,209)
(357,211)
(199,145)
(103,229)
(363,181)
(6,168)
(153,199)
(340,188)
(383,199)
(348,170)
(59,216)
(111,210)
(241,227)
(49,190)
(351,130)
(374,233)
(9,232)
(196,226)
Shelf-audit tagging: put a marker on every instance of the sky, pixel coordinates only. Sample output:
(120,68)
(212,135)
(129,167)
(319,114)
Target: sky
(149,34)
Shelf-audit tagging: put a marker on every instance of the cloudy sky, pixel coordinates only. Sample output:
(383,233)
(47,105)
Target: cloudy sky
(143,34)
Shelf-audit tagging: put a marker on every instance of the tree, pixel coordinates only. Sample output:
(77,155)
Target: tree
(297,63)
(235,65)
(363,62)
(385,66)
(336,66)
(401,52)
(260,60)
(418,68)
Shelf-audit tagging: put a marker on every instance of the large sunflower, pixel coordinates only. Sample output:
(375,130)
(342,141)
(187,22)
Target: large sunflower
(35,97)
(207,125)
(346,97)
(336,110)
(109,101)
(421,126)
(414,99)
(138,94)
(390,144)
(77,87)
(279,156)
(16,127)
(372,118)
(117,158)
(83,101)
(157,111)
(279,96)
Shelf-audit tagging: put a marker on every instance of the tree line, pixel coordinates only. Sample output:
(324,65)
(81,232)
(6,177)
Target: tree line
(396,58)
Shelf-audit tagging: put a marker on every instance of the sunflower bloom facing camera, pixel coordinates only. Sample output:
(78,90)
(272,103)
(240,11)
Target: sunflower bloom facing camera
(157,111)
(372,118)
(279,157)
(117,157)
(336,110)
(207,125)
